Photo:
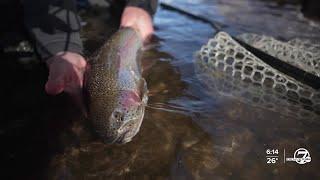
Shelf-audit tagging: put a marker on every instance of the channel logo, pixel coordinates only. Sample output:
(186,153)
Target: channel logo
(300,156)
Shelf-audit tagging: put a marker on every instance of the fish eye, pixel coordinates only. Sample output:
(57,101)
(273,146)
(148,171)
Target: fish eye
(117,115)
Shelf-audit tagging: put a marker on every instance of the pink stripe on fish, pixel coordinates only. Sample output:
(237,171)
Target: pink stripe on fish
(130,98)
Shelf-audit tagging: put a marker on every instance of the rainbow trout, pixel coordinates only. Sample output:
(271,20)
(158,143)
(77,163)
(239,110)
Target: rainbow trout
(116,90)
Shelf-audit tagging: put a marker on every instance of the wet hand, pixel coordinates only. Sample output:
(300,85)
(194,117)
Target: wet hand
(139,20)
(66,70)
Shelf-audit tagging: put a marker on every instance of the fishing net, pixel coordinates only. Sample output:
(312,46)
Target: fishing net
(230,70)
(302,54)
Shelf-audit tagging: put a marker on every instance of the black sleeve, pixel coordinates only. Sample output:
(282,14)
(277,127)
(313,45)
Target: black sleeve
(54,25)
(149,5)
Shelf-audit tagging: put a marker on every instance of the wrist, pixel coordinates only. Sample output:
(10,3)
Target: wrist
(138,19)
(149,6)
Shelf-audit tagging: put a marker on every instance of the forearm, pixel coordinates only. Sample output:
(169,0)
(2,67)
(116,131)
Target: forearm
(148,5)
(53,26)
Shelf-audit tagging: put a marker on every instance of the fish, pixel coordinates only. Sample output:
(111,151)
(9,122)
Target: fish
(116,92)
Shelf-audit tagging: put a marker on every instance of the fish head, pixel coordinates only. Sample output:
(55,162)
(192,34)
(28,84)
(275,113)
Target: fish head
(120,119)
(127,116)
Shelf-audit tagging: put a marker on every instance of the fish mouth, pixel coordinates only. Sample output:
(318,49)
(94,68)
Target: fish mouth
(122,139)
(126,131)
(125,134)
(126,140)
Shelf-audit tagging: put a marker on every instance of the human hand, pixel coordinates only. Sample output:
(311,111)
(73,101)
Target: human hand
(139,20)
(66,70)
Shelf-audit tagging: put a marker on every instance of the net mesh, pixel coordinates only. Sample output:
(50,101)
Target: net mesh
(299,53)
(228,69)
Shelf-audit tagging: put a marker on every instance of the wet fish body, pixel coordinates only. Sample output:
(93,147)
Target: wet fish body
(116,90)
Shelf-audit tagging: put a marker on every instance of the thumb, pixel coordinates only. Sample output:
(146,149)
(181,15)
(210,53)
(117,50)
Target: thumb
(54,87)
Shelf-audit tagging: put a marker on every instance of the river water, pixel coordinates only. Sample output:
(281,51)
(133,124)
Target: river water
(186,133)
